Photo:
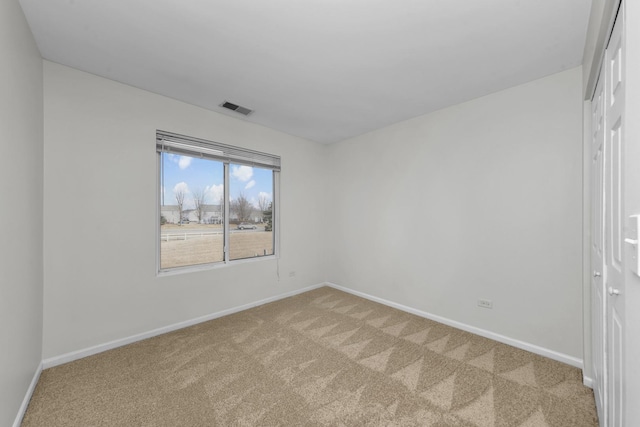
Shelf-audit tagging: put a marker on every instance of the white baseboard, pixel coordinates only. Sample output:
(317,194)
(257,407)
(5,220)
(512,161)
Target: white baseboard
(569,360)
(587,381)
(27,396)
(79,354)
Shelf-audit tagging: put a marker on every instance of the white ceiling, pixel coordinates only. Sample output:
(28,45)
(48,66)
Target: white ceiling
(325,70)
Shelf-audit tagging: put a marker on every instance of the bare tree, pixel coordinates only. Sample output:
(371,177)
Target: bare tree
(263,205)
(242,207)
(180,195)
(221,208)
(199,200)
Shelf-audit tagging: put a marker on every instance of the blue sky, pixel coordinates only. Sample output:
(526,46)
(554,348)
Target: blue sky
(194,174)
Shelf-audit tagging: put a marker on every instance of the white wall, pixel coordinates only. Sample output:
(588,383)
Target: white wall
(100,267)
(479,200)
(21,212)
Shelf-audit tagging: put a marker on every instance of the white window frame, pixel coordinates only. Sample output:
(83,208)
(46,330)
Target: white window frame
(168,142)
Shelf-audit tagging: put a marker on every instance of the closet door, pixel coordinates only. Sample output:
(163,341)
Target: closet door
(607,231)
(598,302)
(614,222)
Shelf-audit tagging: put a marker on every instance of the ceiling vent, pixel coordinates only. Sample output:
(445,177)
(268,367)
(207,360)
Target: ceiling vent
(237,108)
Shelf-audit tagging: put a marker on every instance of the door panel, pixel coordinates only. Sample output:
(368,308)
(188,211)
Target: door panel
(616,368)
(615,186)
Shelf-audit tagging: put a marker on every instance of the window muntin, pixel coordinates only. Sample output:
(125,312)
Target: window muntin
(212,196)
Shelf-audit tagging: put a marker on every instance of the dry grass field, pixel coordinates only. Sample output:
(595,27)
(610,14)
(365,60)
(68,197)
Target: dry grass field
(209,248)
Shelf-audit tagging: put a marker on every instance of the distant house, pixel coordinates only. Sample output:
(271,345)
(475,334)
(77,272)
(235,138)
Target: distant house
(170,213)
(257,216)
(211,214)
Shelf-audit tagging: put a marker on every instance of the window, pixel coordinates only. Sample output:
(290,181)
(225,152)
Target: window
(217,202)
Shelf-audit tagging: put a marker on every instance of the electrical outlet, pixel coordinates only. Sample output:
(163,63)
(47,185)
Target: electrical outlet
(485,303)
(292,274)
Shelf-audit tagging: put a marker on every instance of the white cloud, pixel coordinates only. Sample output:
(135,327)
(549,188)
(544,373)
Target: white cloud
(242,173)
(215,193)
(181,186)
(184,162)
(265,195)
(250,184)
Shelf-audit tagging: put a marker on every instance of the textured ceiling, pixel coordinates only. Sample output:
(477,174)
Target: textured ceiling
(325,70)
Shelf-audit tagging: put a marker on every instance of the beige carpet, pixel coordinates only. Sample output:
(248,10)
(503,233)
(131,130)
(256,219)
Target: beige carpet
(320,358)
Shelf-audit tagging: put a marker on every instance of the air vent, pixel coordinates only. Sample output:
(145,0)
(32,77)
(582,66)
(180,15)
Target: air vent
(237,108)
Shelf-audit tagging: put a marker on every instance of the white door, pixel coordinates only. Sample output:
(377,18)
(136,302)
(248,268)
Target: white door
(598,300)
(614,222)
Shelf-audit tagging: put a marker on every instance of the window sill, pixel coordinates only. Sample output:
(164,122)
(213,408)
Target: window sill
(213,266)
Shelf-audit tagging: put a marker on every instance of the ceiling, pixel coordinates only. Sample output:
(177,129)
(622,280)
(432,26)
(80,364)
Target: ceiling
(325,70)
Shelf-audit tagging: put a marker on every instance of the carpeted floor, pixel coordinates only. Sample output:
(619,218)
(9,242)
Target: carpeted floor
(320,358)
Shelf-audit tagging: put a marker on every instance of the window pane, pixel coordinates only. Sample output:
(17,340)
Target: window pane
(250,212)
(191,211)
